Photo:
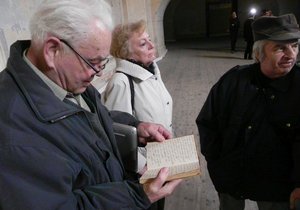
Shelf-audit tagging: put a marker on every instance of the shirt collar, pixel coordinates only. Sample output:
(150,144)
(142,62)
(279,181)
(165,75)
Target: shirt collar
(57,90)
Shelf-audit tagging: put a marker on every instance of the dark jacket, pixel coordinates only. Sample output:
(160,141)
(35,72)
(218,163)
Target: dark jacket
(234,24)
(247,32)
(248,127)
(50,155)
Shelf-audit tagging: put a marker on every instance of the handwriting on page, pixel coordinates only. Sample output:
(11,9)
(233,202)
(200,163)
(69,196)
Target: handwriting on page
(171,152)
(179,155)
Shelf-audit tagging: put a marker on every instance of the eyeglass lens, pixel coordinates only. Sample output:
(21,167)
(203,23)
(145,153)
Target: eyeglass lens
(104,61)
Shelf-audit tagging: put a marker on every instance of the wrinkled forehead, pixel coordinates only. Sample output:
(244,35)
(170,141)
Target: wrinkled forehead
(139,35)
(96,33)
(97,44)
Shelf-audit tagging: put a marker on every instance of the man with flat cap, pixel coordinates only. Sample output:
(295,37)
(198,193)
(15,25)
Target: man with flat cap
(250,123)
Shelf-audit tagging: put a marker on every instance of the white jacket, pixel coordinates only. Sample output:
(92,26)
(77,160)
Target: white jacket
(152,101)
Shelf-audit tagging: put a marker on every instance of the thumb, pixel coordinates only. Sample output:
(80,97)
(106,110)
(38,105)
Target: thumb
(161,177)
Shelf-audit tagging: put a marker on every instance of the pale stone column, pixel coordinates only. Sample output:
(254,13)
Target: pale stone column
(152,12)
(158,8)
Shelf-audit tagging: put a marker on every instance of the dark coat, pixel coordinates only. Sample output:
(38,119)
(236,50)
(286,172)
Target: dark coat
(248,34)
(234,24)
(248,127)
(50,156)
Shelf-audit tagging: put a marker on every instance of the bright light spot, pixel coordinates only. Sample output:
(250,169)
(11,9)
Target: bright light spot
(253,11)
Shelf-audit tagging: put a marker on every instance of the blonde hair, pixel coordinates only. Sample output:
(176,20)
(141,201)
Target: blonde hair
(120,46)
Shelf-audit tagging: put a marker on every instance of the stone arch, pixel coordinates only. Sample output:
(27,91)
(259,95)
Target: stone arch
(158,11)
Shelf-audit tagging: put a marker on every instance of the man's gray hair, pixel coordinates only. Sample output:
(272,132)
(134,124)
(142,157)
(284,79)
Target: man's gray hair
(69,19)
(258,50)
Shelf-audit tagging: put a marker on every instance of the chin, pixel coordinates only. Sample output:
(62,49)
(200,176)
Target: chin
(284,72)
(151,57)
(80,90)
(151,61)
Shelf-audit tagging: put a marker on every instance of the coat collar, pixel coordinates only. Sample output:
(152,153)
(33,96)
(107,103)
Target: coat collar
(46,106)
(34,90)
(280,84)
(135,70)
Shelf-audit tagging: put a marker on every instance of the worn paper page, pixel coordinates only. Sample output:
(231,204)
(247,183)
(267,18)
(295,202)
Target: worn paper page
(178,154)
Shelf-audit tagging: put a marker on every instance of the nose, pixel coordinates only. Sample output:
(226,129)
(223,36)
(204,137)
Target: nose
(291,51)
(151,45)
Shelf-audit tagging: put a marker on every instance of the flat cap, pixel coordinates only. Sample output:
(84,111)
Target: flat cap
(276,28)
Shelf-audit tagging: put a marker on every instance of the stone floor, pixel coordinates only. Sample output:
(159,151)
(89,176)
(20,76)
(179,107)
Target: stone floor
(189,70)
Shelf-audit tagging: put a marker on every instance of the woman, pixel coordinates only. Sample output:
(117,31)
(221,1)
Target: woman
(147,98)
(135,56)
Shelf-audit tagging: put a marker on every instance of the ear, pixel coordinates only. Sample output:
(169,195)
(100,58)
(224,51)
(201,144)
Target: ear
(52,48)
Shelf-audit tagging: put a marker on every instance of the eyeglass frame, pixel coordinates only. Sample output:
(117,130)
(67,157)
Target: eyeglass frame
(106,60)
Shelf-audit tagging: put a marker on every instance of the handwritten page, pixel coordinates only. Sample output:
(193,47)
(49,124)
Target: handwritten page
(178,154)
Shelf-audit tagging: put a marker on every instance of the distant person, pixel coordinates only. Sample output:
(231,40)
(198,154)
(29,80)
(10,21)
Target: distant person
(137,87)
(234,24)
(248,36)
(250,123)
(266,12)
(57,148)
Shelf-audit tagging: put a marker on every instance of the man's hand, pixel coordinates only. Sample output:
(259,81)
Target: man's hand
(294,198)
(152,132)
(159,188)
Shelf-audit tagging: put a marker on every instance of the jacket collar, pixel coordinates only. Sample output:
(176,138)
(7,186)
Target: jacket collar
(34,90)
(135,70)
(280,84)
(150,68)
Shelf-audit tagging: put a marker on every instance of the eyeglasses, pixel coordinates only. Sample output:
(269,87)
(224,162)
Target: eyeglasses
(103,61)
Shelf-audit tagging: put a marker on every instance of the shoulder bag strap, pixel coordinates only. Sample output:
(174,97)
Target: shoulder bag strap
(130,79)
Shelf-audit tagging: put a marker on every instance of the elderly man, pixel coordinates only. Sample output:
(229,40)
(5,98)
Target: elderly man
(250,123)
(57,148)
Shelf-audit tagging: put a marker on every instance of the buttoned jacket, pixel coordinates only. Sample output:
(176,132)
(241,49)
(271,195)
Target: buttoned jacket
(250,134)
